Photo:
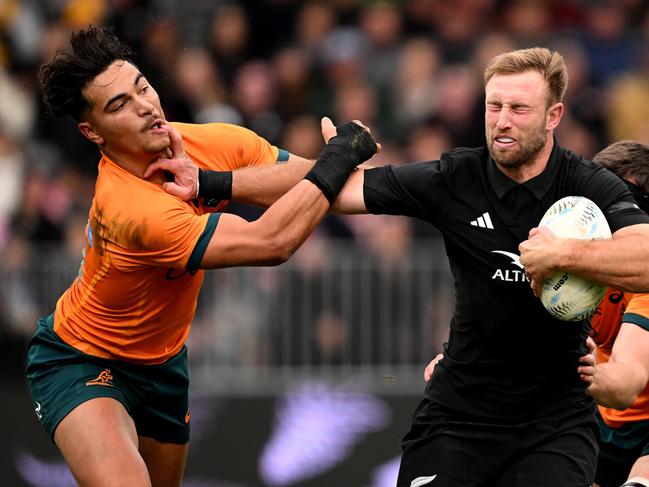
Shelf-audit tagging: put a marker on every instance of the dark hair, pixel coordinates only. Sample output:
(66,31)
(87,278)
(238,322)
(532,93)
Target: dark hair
(628,159)
(63,79)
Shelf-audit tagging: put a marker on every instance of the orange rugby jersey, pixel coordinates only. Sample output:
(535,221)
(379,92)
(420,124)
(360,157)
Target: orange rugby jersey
(138,283)
(616,308)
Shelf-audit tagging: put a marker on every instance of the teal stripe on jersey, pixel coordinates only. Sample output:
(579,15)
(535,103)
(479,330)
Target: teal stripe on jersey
(636,319)
(197,254)
(282,156)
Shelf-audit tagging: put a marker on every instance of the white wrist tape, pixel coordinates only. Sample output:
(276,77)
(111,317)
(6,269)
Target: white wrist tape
(636,482)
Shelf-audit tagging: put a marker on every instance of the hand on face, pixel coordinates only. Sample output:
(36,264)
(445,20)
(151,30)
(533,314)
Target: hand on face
(538,254)
(184,171)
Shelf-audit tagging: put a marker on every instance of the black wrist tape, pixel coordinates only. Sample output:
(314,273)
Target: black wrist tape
(214,185)
(351,146)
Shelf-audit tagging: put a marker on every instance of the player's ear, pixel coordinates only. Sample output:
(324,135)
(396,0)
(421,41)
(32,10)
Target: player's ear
(89,133)
(555,112)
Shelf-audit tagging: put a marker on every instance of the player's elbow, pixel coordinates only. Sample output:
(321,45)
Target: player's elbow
(280,247)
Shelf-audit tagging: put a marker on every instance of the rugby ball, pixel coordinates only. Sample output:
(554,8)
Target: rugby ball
(566,296)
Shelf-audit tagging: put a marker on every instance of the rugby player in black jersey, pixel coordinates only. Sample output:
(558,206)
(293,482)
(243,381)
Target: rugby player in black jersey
(493,414)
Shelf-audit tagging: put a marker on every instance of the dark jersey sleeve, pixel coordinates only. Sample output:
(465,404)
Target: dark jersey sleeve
(415,189)
(614,199)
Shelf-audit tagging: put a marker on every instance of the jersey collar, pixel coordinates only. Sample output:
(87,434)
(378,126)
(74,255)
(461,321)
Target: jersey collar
(538,185)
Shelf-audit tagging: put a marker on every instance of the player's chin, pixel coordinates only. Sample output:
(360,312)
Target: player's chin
(157,143)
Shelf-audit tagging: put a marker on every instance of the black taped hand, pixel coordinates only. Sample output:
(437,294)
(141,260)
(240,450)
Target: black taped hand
(351,146)
(214,186)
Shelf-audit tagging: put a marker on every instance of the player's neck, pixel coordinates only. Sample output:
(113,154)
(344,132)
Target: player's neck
(135,166)
(531,168)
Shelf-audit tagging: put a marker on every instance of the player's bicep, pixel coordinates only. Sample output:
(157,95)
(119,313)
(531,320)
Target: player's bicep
(238,242)
(637,230)
(631,348)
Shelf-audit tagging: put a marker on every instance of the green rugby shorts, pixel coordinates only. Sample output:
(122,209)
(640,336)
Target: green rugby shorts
(60,378)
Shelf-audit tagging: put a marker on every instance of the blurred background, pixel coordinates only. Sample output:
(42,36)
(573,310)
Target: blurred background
(305,374)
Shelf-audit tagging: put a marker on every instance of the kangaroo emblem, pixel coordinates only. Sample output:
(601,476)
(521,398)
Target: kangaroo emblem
(103,379)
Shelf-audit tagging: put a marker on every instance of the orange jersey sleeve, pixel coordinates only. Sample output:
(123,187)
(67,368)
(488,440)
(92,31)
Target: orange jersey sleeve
(618,308)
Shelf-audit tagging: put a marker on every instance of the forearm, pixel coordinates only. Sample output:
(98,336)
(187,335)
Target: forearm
(262,186)
(621,263)
(272,238)
(291,219)
(616,385)
(275,236)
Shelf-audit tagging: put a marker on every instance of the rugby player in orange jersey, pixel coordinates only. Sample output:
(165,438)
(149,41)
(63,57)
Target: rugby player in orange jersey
(620,329)
(108,370)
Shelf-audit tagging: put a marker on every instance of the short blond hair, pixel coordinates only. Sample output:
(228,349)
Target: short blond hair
(549,63)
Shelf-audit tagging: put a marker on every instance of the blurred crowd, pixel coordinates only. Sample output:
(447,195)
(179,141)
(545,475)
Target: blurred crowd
(409,69)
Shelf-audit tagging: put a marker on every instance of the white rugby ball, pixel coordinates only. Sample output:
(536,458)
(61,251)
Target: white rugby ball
(566,296)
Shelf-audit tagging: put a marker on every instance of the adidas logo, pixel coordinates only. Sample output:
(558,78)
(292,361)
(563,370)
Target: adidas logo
(483,221)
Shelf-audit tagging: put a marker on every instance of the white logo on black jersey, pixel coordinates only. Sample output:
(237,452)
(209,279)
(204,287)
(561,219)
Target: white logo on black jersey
(419,481)
(516,259)
(483,221)
(510,275)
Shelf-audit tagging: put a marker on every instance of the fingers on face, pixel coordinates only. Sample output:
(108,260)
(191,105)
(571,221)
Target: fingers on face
(176,141)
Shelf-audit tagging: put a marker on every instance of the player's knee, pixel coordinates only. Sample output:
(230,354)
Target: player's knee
(636,482)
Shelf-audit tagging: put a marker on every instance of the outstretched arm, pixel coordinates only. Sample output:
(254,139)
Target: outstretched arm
(260,186)
(274,237)
(621,262)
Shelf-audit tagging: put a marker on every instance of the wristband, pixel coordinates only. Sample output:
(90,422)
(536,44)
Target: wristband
(351,146)
(214,185)
(636,482)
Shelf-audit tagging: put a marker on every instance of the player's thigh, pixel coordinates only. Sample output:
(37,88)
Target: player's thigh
(567,459)
(445,453)
(163,410)
(165,461)
(99,443)
(613,466)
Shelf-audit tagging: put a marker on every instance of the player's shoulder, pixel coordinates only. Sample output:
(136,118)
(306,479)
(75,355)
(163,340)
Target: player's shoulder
(119,194)
(464,160)
(212,129)
(470,153)
(586,177)
(581,165)
(462,155)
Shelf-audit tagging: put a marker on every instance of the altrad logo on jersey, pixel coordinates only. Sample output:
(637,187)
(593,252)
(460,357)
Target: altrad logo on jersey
(510,275)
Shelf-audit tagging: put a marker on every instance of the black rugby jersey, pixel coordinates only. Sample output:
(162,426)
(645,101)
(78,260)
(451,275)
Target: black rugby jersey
(506,358)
